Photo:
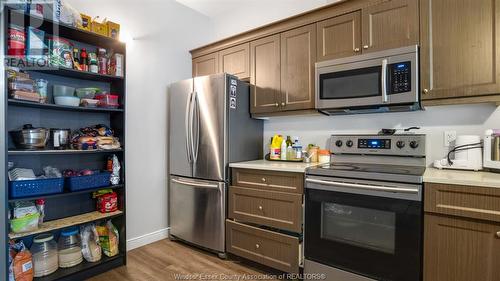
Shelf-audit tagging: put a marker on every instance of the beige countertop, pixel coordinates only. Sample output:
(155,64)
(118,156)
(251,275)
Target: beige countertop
(486,179)
(296,167)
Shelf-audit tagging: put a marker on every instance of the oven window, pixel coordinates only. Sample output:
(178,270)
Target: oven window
(348,84)
(361,227)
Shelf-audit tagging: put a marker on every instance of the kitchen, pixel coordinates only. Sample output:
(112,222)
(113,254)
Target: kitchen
(461,100)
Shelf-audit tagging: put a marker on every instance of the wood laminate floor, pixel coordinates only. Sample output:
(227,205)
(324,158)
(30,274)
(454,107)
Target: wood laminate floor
(166,260)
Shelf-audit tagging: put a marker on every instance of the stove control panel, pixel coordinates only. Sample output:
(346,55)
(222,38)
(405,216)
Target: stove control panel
(397,145)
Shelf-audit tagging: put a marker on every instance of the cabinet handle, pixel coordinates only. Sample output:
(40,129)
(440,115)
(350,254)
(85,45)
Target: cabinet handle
(365,47)
(260,208)
(277,104)
(264,179)
(426,91)
(283,104)
(498,234)
(356,50)
(257,246)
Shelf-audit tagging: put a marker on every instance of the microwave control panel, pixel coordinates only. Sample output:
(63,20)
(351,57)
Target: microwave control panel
(400,77)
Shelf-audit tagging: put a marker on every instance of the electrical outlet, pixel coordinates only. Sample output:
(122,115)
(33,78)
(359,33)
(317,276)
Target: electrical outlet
(449,137)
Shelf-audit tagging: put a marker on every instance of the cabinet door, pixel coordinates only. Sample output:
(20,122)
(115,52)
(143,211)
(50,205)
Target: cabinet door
(265,74)
(206,65)
(460,250)
(298,56)
(236,61)
(460,44)
(339,37)
(390,24)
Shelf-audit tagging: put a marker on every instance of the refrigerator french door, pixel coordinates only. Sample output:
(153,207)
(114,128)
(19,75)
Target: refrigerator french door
(209,127)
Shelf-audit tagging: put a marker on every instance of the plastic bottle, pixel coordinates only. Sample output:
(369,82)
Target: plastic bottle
(297,148)
(283,150)
(290,154)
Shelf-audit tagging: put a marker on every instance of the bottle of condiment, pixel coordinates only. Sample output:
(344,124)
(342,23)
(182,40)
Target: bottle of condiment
(40,206)
(84,60)
(76,55)
(288,141)
(102,61)
(93,67)
(290,154)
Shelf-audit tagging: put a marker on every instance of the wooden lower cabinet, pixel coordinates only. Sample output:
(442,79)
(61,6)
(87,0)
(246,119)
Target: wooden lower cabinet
(270,248)
(459,249)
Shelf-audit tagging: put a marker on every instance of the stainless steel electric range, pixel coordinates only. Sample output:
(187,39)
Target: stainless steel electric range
(364,211)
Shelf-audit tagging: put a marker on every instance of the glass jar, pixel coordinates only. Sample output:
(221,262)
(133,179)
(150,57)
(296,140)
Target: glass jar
(70,249)
(324,156)
(313,153)
(44,255)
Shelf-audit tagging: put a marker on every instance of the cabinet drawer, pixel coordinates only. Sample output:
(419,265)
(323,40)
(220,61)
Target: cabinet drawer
(269,208)
(465,201)
(266,247)
(269,180)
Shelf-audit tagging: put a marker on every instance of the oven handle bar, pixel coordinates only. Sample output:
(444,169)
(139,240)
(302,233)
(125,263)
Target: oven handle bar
(365,186)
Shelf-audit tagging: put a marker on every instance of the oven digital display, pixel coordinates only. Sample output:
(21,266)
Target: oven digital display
(374,143)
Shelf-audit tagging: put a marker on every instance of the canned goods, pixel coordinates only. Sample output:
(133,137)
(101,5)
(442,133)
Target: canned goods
(16,42)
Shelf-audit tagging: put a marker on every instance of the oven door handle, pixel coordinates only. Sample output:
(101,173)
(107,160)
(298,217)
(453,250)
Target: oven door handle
(364,186)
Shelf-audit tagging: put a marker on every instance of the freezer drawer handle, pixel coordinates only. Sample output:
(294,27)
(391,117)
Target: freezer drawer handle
(206,185)
(364,186)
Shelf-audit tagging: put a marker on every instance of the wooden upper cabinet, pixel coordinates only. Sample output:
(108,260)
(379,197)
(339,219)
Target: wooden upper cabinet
(391,24)
(460,45)
(339,37)
(460,250)
(298,56)
(265,74)
(206,65)
(236,61)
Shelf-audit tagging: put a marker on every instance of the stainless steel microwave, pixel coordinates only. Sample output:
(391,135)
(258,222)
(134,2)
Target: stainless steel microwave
(376,82)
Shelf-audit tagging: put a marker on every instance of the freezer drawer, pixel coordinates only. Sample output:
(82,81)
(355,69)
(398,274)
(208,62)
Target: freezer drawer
(197,212)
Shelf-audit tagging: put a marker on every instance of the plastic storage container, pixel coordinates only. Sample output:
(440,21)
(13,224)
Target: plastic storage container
(107,100)
(87,182)
(30,188)
(70,250)
(324,156)
(61,90)
(44,255)
(86,93)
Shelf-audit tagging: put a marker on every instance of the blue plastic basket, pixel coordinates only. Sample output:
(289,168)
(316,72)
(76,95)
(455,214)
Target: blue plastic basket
(88,182)
(30,188)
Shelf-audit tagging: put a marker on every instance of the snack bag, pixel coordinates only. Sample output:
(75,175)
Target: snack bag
(21,262)
(109,237)
(91,247)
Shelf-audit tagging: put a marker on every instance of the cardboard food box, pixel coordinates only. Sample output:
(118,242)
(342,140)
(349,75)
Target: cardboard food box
(99,28)
(86,22)
(113,29)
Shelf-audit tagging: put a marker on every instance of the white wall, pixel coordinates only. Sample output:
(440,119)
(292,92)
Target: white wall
(163,32)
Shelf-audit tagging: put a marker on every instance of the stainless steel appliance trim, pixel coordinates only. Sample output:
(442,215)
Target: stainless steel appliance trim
(384,81)
(363,186)
(311,269)
(196,184)
(187,121)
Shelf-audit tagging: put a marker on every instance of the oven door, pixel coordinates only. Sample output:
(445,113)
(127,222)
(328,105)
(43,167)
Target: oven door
(364,228)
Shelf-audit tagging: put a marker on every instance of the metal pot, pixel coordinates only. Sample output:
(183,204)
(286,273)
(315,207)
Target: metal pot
(59,138)
(30,138)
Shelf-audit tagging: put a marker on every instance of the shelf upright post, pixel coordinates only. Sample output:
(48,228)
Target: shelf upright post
(3,151)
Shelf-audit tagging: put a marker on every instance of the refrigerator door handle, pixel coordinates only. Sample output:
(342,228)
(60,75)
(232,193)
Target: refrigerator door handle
(187,121)
(195,137)
(195,184)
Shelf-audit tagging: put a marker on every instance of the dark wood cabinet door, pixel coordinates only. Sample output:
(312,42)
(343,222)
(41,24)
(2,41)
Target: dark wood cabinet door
(206,65)
(390,24)
(236,61)
(339,37)
(460,44)
(461,250)
(298,56)
(265,74)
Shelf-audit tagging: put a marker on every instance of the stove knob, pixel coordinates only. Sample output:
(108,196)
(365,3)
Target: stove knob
(338,143)
(400,144)
(413,144)
(349,143)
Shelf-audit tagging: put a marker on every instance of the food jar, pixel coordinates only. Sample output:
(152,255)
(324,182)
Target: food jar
(313,153)
(324,156)
(44,255)
(70,250)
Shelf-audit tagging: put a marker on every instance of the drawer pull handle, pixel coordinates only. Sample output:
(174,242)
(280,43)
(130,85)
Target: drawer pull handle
(264,179)
(498,234)
(260,208)
(257,246)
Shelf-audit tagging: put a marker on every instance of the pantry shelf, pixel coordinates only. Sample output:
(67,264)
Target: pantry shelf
(70,273)
(118,186)
(67,222)
(14,102)
(61,152)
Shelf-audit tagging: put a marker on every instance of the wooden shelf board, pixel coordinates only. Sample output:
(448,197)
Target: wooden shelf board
(61,152)
(67,222)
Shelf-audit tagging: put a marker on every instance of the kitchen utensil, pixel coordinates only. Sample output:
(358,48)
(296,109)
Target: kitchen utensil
(86,93)
(30,138)
(67,101)
(59,138)
(61,90)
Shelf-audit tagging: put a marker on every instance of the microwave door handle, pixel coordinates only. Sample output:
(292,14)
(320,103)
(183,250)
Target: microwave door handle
(384,81)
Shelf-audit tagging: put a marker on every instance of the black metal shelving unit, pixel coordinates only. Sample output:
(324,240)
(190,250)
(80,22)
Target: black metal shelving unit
(65,208)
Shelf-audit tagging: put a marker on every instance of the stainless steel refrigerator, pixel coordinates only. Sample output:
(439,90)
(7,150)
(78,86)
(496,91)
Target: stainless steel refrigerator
(209,127)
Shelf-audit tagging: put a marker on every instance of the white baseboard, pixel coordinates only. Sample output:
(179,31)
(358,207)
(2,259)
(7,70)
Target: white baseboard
(145,239)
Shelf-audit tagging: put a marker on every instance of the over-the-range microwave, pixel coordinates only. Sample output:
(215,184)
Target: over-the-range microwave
(385,81)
